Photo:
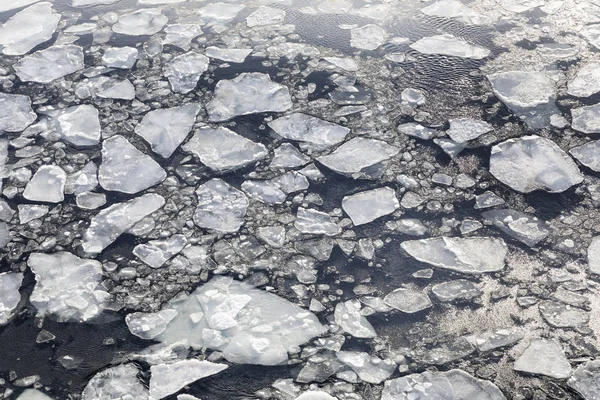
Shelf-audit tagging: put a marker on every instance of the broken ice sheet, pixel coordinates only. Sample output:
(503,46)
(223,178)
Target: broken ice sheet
(221,207)
(181,35)
(457,10)
(464,129)
(156,252)
(228,55)
(119,382)
(16,113)
(450,45)
(307,128)
(167,379)
(120,57)
(408,300)
(28,28)
(367,206)
(10,283)
(78,125)
(544,357)
(368,37)
(523,227)
(265,15)
(49,64)
(46,185)
(347,315)
(147,21)
(184,71)
(315,222)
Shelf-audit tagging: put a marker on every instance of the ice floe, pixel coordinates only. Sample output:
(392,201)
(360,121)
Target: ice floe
(146,21)
(78,125)
(116,382)
(347,315)
(586,119)
(23,31)
(120,57)
(221,207)
(544,357)
(521,226)
(10,283)
(46,185)
(367,206)
(184,71)
(450,45)
(306,128)
(408,300)
(47,65)
(167,379)
(465,129)
(16,113)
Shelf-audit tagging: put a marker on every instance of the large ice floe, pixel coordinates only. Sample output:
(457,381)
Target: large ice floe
(47,65)
(17,36)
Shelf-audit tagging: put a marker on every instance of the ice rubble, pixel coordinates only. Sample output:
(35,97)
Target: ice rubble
(368,37)
(49,64)
(167,379)
(347,315)
(23,31)
(544,357)
(248,93)
(146,21)
(457,10)
(465,129)
(586,81)
(367,206)
(157,252)
(184,71)
(307,128)
(368,368)
(123,91)
(221,207)
(471,255)
(10,283)
(106,226)
(78,125)
(408,300)
(66,286)
(449,45)
(165,129)
(126,169)
(118,382)
(16,113)
(120,57)
(228,55)
(521,226)
(223,150)
(586,119)
(585,380)
(46,185)
(533,163)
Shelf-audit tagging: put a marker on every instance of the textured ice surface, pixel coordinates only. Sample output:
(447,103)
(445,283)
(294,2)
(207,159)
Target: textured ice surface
(588,154)
(49,64)
(123,90)
(265,15)
(247,93)
(28,28)
(287,156)
(46,185)
(167,379)
(464,129)
(228,55)
(120,57)
(15,112)
(149,325)
(585,380)
(156,252)
(181,35)
(523,227)
(561,315)
(592,34)
(184,71)
(586,81)
(490,340)
(147,21)
(450,45)
(221,207)
(368,368)
(347,315)
(78,125)
(66,286)
(356,156)
(223,150)
(459,289)
(89,3)
(111,222)
(10,283)
(315,222)
(456,10)
(248,325)
(364,207)
(586,119)
(84,180)
(408,300)
(120,382)
(165,129)
(467,255)
(368,37)
(315,395)
(126,169)
(306,128)
(544,357)
(533,163)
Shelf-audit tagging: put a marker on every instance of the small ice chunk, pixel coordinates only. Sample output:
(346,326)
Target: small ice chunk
(166,128)
(90,201)
(544,357)
(408,300)
(157,252)
(561,315)
(10,283)
(264,191)
(78,125)
(533,163)
(146,21)
(368,37)
(586,119)
(28,28)
(149,325)
(218,13)
(475,255)
(184,71)
(487,200)
(449,45)
(120,57)
(111,222)
(265,15)
(16,113)
(274,236)
(181,35)
(367,206)
(126,169)
(347,315)
(84,180)
(414,97)
(593,255)
(585,380)
(122,91)
(49,64)
(315,222)
(524,227)
(456,10)
(491,340)
(33,394)
(29,212)
(168,379)
(586,81)
(458,289)
(347,64)
(228,55)
(13,5)
(306,128)
(370,369)
(46,185)
(465,129)
(221,207)
(120,382)
(287,156)
(223,150)
(588,154)
(248,93)
(416,130)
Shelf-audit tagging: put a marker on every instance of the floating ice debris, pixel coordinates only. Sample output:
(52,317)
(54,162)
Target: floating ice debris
(49,64)
(561,315)
(533,163)
(29,212)
(490,340)
(459,289)
(370,369)
(450,385)
(157,252)
(33,394)
(588,154)
(248,93)
(358,157)
(16,113)
(408,300)
(447,352)
(84,180)
(544,357)
(146,21)
(248,325)
(167,379)
(13,5)
(184,71)
(220,12)
(464,129)
(456,10)
(120,382)
(228,55)
(586,81)
(66,286)
(223,150)
(274,236)
(120,57)
(181,35)
(414,97)
(528,94)
(585,380)
(154,2)
(111,222)
(10,283)
(593,255)
(416,130)
(78,125)
(315,222)
(487,200)
(347,64)
(306,128)
(149,325)
(89,3)
(315,395)
(123,91)
(46,185)
(347,315)
(126,169)
(265,15)
(221,207)
(367,206)
(166,128)
(287,156)
(28,28)
(90,201)
(586,119)
(6,212)
(368,37)
(474,255)
(523,227)
(264,191)
(449,45)
(592,34)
